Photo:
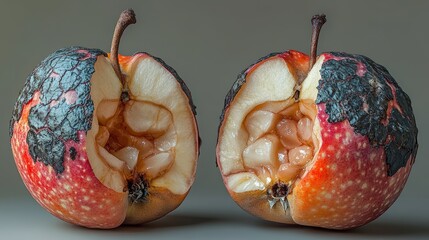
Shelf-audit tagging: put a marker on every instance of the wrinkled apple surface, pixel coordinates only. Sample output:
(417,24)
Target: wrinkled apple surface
(335,157)
(94,159)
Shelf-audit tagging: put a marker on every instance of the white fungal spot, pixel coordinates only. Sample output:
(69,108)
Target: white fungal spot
(86,208)
(67,187)
(337,136)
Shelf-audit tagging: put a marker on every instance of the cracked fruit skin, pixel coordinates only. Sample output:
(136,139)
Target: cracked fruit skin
(353,167)
(89,158)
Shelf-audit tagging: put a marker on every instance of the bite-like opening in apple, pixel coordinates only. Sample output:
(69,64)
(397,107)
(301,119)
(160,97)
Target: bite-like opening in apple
(136,134)
(139,139)
(136,141)
(279,145)
(271,134)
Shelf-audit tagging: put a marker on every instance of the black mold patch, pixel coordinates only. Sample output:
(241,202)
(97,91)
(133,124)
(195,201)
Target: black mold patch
(363,101)
(54,120)
(73,153)
(138,189)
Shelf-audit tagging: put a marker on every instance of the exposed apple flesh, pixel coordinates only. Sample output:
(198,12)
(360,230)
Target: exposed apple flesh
(306,160)
(101,140)
(279,154)
(126,139)
(88,157)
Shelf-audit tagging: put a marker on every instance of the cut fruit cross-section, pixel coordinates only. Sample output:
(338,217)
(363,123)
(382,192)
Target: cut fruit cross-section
(305,140)
(104,139)
(150,137)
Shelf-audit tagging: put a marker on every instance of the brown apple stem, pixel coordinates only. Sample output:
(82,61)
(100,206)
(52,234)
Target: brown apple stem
(127,18)
(317,22)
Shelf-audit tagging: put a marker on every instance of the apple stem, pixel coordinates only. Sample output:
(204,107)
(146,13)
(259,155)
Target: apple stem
(127,17)
(317,22)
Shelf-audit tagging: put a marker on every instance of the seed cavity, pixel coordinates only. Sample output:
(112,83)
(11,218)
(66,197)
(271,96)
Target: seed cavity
(288,133)
(135,138)
(304,128)
(280,145)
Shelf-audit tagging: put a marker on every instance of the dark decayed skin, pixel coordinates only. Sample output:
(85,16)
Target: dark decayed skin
(355,88)
(61,178)
(344,93)
(368,144)
(53,121)
(48,138)
(63,81)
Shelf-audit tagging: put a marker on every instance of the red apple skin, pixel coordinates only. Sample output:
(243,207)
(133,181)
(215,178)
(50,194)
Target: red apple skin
(67,187)
(348,185)
(55,169)
(76,195)
(350,182)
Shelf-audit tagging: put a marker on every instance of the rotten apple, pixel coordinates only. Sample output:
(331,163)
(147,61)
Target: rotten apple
(326,141)
(103,139)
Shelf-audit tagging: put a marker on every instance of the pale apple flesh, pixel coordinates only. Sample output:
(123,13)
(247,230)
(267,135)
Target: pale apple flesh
(148,144)
(284,160)
(130,162)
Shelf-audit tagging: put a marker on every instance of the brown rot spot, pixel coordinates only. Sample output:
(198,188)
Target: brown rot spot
(73,153)
(278,190)
(137,189)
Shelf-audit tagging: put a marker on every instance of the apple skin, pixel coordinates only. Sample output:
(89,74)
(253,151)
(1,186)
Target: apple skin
(368,145)
(48,130)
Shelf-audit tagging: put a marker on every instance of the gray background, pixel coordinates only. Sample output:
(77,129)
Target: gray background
(209,43)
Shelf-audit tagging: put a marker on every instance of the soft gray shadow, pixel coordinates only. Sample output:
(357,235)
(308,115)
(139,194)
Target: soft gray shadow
(175,221)
(381,228)
(393,228)
(165,223)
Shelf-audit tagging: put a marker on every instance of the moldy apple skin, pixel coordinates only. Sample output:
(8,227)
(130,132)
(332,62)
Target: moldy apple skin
(355,88)
(48,132)
(368,144)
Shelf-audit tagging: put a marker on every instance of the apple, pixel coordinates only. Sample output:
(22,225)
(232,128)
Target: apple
(325,141)
(104,139)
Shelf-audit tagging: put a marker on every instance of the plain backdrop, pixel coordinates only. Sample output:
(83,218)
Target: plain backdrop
(208,43)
